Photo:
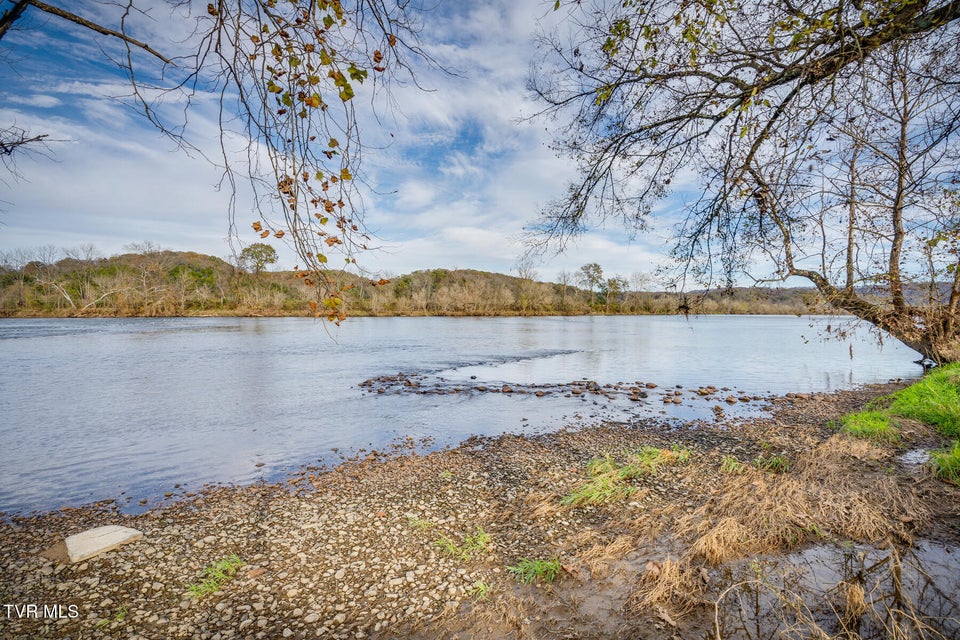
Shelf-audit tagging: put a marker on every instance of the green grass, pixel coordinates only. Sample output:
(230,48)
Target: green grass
(870,424)
(730,464)
(119,616)
(479,590)
(946,463)
(529,571)
(934,399)
(420,524)
(608,478)
(774,464)
(479,542)
(215,576)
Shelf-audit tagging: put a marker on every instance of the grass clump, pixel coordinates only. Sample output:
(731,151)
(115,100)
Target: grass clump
(420,524)
(934,399)
(529,571)
(870,424)
(472,545)
(774,464)
(215,576)
(946,463)
(479,590)
(730,464)
(608,477)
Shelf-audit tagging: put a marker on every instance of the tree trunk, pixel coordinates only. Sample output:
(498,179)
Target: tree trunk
(944,350)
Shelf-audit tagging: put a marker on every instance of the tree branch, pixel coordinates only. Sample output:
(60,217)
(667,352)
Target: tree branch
(72,17)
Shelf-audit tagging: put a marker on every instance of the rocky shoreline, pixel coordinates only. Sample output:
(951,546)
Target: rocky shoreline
(428,545)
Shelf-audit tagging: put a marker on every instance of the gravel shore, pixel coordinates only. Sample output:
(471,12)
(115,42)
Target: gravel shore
(403,544)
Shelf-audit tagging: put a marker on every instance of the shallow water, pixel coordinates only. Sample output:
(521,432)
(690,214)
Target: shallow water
(97,409)
(906,592)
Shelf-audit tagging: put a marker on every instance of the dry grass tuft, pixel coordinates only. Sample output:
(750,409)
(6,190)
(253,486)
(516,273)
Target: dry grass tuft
(599,557)
(672,582)
(543,505)
(584,537)
(852,603)
(827,493)
(726,539)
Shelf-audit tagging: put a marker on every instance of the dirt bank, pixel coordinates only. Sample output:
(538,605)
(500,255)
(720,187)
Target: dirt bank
(738,527)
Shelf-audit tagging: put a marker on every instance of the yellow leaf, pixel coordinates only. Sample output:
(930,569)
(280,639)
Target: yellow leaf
(345,174)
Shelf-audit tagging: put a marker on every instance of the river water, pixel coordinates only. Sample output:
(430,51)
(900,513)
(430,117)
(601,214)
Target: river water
(125,409)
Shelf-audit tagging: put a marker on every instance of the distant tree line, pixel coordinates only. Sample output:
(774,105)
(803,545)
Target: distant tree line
(151,281)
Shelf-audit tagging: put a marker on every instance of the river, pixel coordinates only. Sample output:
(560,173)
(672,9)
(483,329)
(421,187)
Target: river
(130,409)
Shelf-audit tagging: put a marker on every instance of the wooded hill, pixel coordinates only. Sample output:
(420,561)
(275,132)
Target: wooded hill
(168,283)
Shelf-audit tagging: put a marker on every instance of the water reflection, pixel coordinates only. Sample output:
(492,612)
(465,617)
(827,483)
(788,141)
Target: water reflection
(843,591)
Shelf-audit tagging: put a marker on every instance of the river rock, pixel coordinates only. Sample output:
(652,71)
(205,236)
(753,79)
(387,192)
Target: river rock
(93,542)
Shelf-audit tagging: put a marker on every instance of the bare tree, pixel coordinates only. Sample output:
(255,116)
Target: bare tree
(822,132)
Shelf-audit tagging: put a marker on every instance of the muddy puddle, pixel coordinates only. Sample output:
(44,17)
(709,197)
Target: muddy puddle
(844,590)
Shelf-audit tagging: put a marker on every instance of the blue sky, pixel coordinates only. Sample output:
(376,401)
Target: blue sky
(455,189)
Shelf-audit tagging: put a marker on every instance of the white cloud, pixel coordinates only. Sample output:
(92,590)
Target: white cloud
(454,187)
(35,100)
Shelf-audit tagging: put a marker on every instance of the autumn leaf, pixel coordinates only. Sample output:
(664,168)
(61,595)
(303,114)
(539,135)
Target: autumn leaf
(333,143)
(279,234)
(392,40)
(265,233)
(312,101)
(377,56)
(356,73)
(212,10)
(257,226)
(345,174)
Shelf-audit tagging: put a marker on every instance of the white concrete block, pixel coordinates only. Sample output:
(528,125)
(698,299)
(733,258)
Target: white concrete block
(93,542)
